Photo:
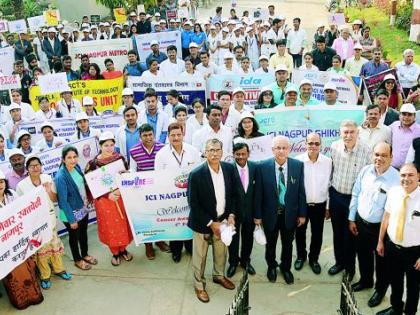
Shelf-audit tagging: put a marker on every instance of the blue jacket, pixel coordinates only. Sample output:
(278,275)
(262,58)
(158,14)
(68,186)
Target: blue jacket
(266,196)
(52,51)
(68,194)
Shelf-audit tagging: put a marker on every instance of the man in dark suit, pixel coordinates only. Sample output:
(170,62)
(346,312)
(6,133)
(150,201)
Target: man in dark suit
(52,47)
(211,197)
(280,205)
(245,185)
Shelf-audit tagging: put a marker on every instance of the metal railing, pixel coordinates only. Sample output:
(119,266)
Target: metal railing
(240,304)
(348,303)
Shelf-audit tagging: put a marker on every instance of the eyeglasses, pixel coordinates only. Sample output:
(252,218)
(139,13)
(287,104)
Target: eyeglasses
(314,143)
(214,151)
(389,82)
(33,166)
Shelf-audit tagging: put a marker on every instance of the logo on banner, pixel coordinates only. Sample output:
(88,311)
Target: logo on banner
(181,181)
(137,182)
(227,84)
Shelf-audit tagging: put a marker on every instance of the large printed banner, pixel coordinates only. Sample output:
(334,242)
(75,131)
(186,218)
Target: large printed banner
(297,122)
(373,82)
(66,127)
(189,88)
(156,205)
(165,39)
(105,93)
(7,57)
(98,51)
(348,90)
(250,83)
(25,227)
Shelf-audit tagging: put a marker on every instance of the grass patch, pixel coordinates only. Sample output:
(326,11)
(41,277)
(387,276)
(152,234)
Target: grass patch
(393,40)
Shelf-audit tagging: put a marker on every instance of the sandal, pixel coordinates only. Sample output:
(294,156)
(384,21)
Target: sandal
(126,255)
(81,264)
(64,275)
(91,260)
(115,261)
(46,284)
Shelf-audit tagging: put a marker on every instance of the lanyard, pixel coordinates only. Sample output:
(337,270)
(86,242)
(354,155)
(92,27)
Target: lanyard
(176,158)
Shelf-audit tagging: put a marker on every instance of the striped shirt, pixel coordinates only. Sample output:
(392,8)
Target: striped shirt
(347,164)
(141,159)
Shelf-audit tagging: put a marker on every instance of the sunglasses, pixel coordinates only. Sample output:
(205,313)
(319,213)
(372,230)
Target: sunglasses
(314,143)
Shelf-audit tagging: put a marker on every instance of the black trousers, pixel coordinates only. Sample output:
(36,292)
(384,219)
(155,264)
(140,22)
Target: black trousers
(297,60)
(316,215)
(176,246)
(287,236)
(344,241)
(401,262)
(369,260)
(78,237)
(244,232)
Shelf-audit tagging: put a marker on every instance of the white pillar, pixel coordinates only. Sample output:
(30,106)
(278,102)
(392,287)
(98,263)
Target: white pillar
(415,21)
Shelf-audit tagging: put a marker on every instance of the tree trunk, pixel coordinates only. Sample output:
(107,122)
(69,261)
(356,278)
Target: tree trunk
(18,9)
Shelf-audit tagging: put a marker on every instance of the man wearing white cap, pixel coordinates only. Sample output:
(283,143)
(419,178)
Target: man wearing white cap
(264,66)
(291,95)
(213,40)
(128,101)
(86,34)
(52,47)
(12,124)
(355,63)
(186,35)
(305,94)
(229,67)
(407,71)
(18,171)
(279,87)
(194,55)
(67,105)
(403,132)
(330,94)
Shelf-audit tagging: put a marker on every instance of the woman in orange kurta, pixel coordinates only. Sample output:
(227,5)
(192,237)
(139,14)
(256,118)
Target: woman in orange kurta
(113,227)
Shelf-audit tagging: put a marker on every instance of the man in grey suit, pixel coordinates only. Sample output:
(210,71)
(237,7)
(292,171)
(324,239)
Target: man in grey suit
(280,205)
(245,193)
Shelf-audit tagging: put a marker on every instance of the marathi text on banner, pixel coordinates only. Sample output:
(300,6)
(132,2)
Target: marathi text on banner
(25,227)
(347,89)
(250,83)
(156,205)
(165,39)
(105,93)
(188,88)
(297,122)
(98,51)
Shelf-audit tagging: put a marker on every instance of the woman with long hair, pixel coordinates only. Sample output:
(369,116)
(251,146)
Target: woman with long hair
(73,204)
(390,85)
(336,66)
(94,72)
(49,258)
(199,37)
(113,227)
(21,284)
(196,121)
(308,62)
(190,69)
(174,100)
(248,127)
(265,99)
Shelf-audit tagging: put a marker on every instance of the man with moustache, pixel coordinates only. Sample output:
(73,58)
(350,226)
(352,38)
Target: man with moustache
(372,131)
(401,222)
(18,172)
(369,196)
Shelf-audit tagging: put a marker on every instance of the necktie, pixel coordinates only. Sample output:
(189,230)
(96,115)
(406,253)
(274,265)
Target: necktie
(243,178)
(401,220)
(282,187)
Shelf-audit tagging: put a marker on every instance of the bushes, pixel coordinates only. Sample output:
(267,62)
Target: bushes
(403,19)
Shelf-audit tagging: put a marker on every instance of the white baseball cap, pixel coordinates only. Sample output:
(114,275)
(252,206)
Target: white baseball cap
(14,151)
(238,90)
(14,106)
(292,88)
(281,67)
(305,81)
(330,86)
(357,22)
(228,55)
(21,133)
(357,46)
(225,29)
(389,76)
(127,92)
(263,57)
(157,14)
(408,108)
(81,116)
(246,115)
(193,45)
(154,42)
(87,100)
(52,30)
(2,176)
(47,124)
(107,135)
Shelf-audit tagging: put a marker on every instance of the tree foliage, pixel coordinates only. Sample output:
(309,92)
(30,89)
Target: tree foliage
(19,9)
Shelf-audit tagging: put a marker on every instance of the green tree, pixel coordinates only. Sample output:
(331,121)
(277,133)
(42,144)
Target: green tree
(112,4)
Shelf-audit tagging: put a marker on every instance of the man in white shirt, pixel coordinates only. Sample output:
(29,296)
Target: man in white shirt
(401,222)
(128,100)
(275,34)
(12,125)
(229,67)
(372,131)
(354,64)
(296,42)
(407,71)
(173,65)
(177,155)
(214,129)
(206,67)
(264,66)
(230,117)
(317,170)
(246,67)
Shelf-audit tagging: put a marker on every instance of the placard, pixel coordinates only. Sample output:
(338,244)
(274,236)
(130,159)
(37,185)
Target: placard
(18,26)
(52,83)
(36,22)
(96,18)
(165,39)
(103,180)
(120,15)
(7,57)
(336,19)
(3,26)
(8,82)
(52,17)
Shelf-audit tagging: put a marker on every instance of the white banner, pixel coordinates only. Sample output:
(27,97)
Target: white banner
(347,90)
(52,83)
(164,39)
(107,122)
(98,51)
(259,147)
(8,82)
(36,22)
(7,57)
(18,26)
(25,226)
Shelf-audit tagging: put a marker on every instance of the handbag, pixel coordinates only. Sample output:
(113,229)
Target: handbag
(259,235)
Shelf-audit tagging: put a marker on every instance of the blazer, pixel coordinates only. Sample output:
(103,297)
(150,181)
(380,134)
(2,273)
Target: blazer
(391,116)
(202,198)
(266,197)
(52,51)
(245,200)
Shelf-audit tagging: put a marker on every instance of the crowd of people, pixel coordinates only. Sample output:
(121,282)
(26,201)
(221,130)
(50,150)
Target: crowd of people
(368,187)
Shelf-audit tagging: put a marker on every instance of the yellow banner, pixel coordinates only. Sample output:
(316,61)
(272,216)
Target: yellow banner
(105,93)
(120,16)
(52,17)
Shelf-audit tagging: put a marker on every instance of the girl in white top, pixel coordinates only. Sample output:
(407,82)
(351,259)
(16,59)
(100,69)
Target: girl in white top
(89,106)
(23,142)
(195,122)
(173,101)
(212,40)
(223,45)
(153,74)
(49,140)
(27,110)
(83,129)
(180,118)
(45,111)
(67,105)
(190,70)
(308,65)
